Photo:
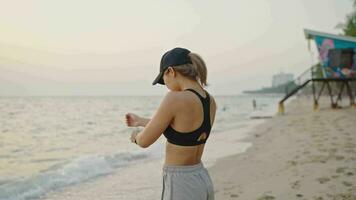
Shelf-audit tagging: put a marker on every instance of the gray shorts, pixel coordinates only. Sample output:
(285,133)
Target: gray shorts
(187,183)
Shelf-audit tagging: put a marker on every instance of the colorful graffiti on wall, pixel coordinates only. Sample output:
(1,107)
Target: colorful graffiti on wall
(337,57)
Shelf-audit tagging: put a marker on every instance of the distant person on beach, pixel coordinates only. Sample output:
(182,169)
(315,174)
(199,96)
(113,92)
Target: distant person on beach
(185,117)
(254,104)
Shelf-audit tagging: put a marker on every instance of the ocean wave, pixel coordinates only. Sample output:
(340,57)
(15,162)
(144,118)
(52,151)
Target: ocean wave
(72,172)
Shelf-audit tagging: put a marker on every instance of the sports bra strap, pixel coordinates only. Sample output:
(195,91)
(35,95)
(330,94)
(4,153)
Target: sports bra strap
(201,97)
(206,104)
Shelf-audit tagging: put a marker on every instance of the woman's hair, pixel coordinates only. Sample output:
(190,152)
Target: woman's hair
(196,71)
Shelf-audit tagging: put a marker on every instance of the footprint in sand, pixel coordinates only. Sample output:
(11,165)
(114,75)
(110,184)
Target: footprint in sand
(341,170)
(350,145)
(346,133)
(323,180)
(306,152)
(234,195)
(229,188)
(317,158)
(338,157)
(318,198)
(344,196)
(299,195)
(228,185)
(296,185)
(292,162)
(347,184)
(267,197)
(334,176)
(349,174)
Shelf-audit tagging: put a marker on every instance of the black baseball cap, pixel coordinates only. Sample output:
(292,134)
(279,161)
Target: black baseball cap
(174,57)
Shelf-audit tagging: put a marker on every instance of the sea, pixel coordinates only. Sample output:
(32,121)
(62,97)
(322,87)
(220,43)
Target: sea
(52,142)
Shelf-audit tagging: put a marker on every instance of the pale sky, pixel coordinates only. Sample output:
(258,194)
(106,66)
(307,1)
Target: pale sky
(112,47)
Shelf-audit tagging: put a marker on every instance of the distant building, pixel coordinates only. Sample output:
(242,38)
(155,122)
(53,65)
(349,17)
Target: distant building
(281,78)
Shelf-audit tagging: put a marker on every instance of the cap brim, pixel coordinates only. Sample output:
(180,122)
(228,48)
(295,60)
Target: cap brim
(158,79)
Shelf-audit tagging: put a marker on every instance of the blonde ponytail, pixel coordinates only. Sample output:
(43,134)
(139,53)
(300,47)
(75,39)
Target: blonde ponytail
(195,71)
(200,68)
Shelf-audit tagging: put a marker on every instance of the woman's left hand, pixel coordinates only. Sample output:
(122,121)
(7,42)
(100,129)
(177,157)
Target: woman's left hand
(133,135)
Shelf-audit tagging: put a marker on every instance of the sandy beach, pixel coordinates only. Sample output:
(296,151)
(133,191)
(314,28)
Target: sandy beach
(303,154)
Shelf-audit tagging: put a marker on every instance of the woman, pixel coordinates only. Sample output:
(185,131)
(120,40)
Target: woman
(185,117)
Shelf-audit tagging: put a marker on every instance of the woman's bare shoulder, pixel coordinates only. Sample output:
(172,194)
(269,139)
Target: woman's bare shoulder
(213,102)
(182,97)
(175,97)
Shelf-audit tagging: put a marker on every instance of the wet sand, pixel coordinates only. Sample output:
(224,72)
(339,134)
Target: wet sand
(303,154)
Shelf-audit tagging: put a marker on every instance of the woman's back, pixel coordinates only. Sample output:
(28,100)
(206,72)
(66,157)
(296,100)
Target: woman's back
(189,118)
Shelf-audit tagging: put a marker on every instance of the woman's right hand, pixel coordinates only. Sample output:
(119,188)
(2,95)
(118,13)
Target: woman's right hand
(132,120)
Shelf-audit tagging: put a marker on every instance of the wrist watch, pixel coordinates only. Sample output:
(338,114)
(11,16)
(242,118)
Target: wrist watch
(135,139)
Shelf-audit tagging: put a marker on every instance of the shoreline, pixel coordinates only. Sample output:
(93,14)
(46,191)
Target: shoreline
(126,183)
(303,154)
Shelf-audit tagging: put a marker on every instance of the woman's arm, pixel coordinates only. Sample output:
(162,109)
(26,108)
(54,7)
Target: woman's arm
(143,121)
(159,122)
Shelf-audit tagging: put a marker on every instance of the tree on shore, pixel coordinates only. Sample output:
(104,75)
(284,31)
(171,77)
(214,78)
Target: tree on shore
(350,25)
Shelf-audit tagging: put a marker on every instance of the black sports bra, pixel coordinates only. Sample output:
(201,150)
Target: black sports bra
(199,135)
